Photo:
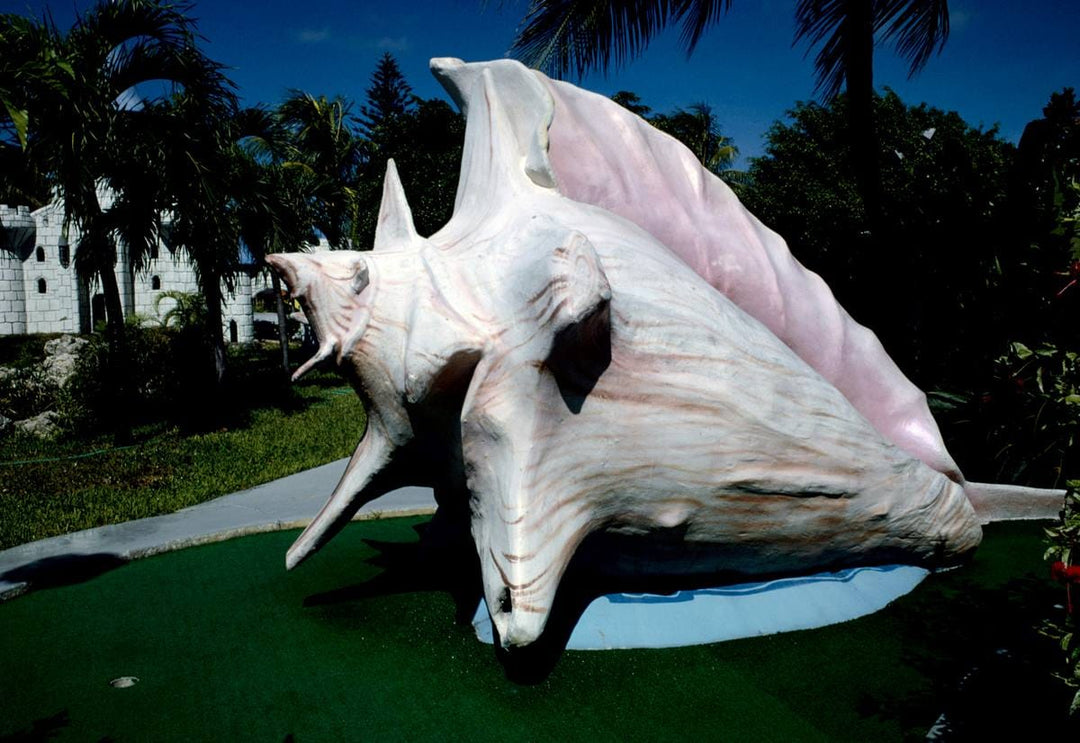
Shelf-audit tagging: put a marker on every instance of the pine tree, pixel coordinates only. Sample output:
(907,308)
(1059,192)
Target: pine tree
(389,97)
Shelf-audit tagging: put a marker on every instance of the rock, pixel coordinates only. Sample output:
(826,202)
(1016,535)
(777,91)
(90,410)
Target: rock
(5,424)
(61,356)
(65,345)
(43,426)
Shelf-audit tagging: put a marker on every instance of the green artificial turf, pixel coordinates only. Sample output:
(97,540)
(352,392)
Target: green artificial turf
(353,646)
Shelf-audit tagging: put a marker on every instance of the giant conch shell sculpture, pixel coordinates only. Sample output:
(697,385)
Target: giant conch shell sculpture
(603,340)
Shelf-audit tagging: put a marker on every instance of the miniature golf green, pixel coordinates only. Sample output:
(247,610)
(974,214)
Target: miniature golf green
(226,645)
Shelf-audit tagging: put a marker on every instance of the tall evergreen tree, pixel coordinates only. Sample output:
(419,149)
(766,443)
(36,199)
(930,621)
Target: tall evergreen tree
(389,97)
(424,138)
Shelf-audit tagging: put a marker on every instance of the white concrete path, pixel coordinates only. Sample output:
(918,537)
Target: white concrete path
(290,502)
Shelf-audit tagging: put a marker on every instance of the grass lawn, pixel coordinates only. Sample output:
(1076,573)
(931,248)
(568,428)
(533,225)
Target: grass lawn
(50,488)
(352,646)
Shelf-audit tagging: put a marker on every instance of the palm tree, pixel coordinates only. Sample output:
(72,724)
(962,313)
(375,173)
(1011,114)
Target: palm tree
(314,169)
(322,145)
(273,197)
(27,66)
(696,127)
(575,36)
(94,131)
(845,31)
(201,172)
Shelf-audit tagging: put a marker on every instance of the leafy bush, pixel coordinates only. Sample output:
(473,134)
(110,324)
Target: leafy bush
(24,350)
(150,389)
(1023,426)
(1039,411)
(1064,549)
(26,391)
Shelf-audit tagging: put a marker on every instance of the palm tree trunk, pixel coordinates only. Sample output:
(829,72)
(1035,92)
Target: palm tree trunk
(859,76)
(283,335)
(118,368)
(895,312)
(212,292)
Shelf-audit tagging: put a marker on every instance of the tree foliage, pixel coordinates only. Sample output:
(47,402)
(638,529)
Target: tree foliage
(1044,197)
(29,65)
(424,139)
(322,149)
(572,37)
(88,121)
(389,97)
(696,126)
(845,32)
(943,186)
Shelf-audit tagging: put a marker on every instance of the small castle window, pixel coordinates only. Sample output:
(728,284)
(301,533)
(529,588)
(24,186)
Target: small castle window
(40,254)
(233,331)
(155,283)
(65,255)
(42,287)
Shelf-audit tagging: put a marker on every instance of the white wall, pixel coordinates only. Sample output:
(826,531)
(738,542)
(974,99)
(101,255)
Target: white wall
(61,309)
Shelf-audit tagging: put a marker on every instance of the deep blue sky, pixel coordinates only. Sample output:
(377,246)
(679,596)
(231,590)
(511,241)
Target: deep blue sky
(1002,60)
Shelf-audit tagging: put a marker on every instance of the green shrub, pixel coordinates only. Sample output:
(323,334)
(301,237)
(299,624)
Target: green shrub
(1039,411)
(24,350)
(1064,550)
(1022,427)
(26,391)
(152,383)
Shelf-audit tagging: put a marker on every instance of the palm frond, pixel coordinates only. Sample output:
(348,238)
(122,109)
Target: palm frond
(845,30)
(920,27)
(826,23)
(572,37)
(697,17)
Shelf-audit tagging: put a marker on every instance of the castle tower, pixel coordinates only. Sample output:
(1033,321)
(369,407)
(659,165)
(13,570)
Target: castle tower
(17,232)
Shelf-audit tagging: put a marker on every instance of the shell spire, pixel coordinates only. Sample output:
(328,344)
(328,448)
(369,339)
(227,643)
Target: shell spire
(395,228)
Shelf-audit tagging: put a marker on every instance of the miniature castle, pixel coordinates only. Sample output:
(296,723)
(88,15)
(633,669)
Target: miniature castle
(41,292)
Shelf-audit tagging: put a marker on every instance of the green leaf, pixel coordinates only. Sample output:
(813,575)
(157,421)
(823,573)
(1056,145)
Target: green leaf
(20,118)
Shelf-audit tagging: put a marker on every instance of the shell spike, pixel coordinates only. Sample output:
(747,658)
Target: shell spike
(326,351)
(362,481)
(395,228)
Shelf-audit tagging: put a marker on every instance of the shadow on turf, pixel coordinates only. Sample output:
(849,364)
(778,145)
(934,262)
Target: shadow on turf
(45,728)
(63,570)
(990,665)
(445,560)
